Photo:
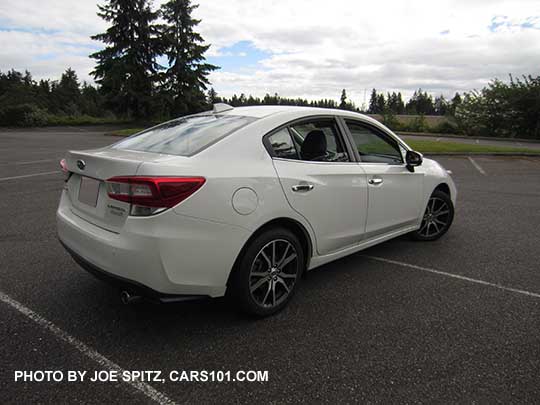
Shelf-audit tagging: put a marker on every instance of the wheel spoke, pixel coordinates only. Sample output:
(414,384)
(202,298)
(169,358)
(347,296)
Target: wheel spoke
(432,204)
(440,213)
(423,227)
(435,220)
(266,258)
(442,207)
(435,226)
(273,253)
(259,274)
(267,292)
(273,294)
(282,282)
(288,260)
(280,263)
(287,275)
(258,284)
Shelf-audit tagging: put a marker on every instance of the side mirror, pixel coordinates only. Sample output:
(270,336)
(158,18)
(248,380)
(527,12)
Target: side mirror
(413,159)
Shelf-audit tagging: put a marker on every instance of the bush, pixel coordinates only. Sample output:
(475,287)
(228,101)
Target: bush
(502,109)
(389,119)
(23,115)
(60,120)
(445,127)
(418,124)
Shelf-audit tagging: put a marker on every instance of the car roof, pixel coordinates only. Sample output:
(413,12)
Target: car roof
(262,111)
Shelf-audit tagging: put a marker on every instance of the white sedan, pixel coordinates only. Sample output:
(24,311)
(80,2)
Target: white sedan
(242,201)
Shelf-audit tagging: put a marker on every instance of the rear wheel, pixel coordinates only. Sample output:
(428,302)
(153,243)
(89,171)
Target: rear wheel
(437,218)
(268,272)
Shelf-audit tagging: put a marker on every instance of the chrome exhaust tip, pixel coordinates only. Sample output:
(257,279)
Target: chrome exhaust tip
(127,298)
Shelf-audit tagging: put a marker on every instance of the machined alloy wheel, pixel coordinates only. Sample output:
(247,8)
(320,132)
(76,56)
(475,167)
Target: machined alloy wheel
(273,273)
(437,217)
(268,272)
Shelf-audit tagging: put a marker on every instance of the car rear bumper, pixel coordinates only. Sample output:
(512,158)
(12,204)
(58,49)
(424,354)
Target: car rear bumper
(133,287)
(164,255)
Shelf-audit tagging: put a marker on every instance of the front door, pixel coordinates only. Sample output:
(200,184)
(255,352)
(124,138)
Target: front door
(395,193)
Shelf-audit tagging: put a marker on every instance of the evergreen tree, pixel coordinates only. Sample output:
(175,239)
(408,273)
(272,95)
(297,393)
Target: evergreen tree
(186,77)
(400,105)
(126,68)
(455,103)
(440,105)
(392,101)
(372,109)
(213,96)
(381,104)
(66,94)
(343,101)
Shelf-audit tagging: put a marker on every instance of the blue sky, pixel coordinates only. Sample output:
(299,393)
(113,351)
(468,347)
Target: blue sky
(306,48)
(240,57)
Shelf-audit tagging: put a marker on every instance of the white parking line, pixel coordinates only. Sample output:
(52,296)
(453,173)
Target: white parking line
(104,362)
(477,166)
(35,161)
(28,175)
(29,162)
(443,273)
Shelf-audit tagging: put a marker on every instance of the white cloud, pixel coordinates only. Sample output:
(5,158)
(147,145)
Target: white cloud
(316,47)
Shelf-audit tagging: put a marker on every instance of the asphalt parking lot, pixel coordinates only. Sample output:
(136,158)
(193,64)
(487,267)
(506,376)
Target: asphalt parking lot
(455,320)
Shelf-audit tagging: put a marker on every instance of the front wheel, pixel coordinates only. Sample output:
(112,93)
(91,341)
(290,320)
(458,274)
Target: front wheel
(437,218)
(268,272)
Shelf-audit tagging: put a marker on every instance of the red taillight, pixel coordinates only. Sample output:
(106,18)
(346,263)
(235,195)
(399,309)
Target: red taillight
(63,166)
(155,192)
(65,170)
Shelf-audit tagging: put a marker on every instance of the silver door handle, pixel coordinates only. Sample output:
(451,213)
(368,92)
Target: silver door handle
(302,187)
(375,181)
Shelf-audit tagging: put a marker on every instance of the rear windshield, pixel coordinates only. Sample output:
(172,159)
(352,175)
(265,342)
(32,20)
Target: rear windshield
(185,136)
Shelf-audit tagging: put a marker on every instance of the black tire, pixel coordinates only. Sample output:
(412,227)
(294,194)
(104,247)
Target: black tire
(437,218)
(263,283)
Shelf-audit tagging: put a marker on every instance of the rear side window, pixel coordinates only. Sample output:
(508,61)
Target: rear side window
(185,136)
(319,141)
(282,144)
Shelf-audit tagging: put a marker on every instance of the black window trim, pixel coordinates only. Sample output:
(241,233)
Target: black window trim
(343,120)
(343,137)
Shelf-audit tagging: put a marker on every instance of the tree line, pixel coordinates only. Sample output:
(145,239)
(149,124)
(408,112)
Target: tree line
(27,102)
(421,103)
(153,67)
(244,101)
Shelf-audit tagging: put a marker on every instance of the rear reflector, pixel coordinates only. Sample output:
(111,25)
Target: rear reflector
(156,192)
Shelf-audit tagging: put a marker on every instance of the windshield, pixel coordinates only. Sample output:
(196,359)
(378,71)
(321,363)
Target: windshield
(185,136)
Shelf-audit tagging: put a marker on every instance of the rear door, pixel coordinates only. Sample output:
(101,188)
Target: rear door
(395,193)
(320,181)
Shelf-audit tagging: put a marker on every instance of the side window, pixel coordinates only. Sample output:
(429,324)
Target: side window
(282,144)
(319,141)
(374,147)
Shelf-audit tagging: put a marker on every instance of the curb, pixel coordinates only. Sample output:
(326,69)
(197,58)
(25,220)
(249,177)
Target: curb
(537,155)
(472,138)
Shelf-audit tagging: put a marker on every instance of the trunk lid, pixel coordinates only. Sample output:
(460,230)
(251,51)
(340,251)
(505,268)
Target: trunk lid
(87,189)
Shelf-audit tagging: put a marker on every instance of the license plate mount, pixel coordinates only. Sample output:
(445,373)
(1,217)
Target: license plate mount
(89,191)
